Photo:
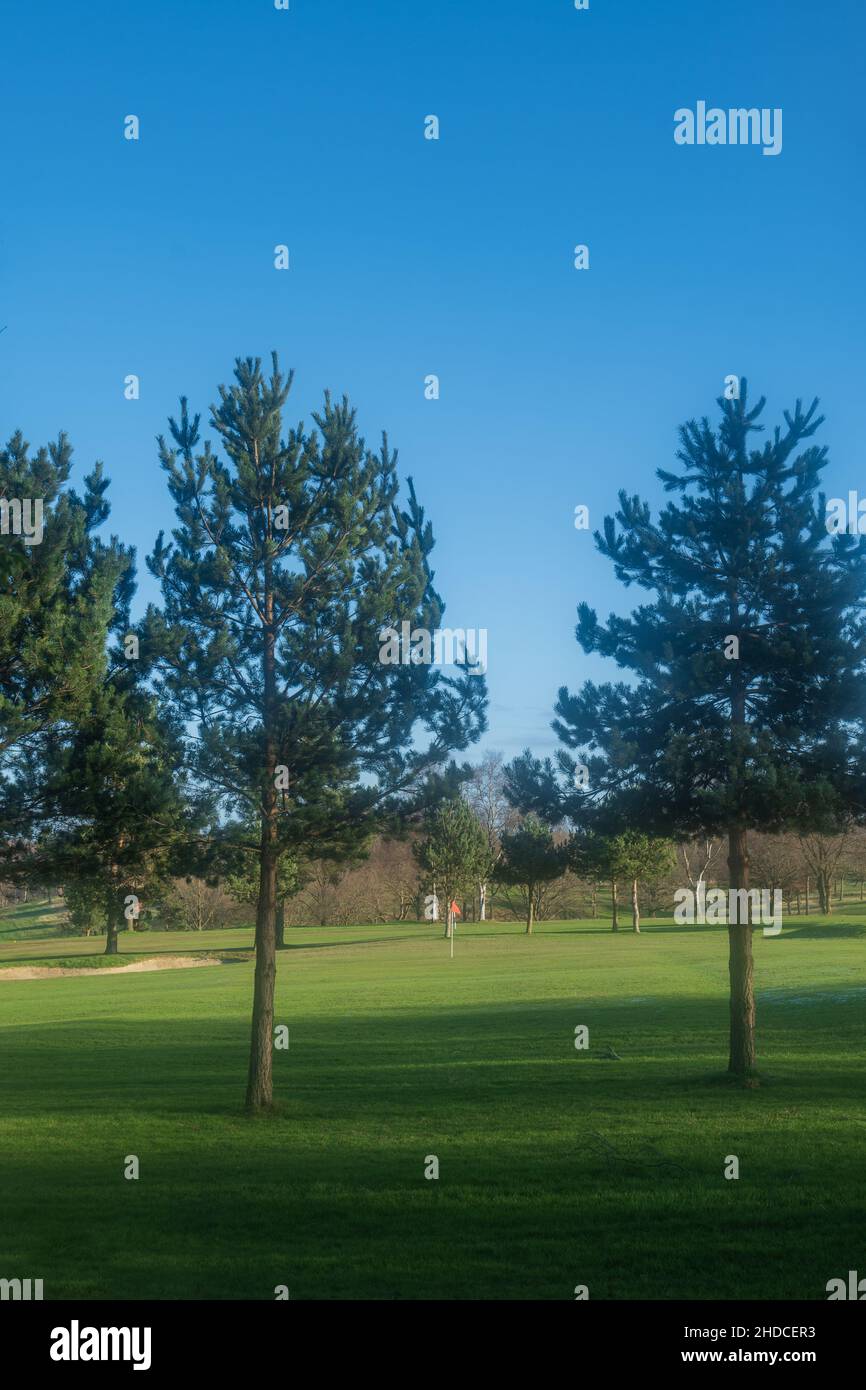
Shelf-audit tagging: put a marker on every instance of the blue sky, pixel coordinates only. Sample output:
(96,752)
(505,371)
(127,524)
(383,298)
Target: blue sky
(455,257)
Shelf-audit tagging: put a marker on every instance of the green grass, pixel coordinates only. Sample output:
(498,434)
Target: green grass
(31,922)
(557,1167)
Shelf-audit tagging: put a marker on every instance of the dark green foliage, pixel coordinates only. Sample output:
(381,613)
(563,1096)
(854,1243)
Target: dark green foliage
(702,741)
(530,859)
(118,815)
(287,561)
(85,902)
(59,600)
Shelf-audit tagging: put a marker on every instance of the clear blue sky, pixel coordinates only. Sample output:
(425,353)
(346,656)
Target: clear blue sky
(411,257)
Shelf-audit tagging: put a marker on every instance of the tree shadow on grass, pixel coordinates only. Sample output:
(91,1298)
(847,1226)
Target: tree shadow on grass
(825,933)
(153,1055)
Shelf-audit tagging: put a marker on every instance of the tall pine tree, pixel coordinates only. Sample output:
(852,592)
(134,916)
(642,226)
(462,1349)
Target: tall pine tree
(750,693)
(289,558)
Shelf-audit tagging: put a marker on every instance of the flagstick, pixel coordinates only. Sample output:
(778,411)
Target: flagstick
(453,925)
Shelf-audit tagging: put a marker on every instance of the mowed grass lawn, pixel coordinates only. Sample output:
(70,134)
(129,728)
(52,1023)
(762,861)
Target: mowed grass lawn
(557,1167)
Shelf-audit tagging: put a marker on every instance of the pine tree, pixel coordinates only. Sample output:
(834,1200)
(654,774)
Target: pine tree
(62,591)
(117,809)
(530,859)
(289,560)
(750,693)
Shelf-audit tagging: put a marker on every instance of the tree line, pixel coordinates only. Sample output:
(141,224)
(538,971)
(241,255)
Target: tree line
(245,728)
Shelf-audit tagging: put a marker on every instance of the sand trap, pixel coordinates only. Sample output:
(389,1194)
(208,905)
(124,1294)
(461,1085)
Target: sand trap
(45,972)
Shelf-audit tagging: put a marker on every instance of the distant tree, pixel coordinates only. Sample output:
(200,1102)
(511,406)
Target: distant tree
(638,856)
(117,811)
(855,857)
(86,907)
(242,881)
(823,853)
(594,856)
(454,853)
(485,792)
(699,855)
(192,903)
(777,862)
(530,859)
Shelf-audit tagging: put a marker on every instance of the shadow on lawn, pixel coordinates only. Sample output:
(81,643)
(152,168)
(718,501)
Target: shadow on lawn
(473,1061)
(816,932)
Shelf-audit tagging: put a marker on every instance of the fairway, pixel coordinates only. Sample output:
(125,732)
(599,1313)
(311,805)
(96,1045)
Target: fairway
(557,1167)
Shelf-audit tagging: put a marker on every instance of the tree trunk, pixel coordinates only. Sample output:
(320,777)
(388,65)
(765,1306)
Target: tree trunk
(260,1084)
(260,1087)
(281,926)
(635,906)
(615,905)
(113,913)
(529,914)
(824,893)
(807,895)
(741,1062)
(482,902)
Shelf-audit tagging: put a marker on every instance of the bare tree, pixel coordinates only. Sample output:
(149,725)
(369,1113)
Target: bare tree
(698,856)
(196,905)
(485,792)
(822,854)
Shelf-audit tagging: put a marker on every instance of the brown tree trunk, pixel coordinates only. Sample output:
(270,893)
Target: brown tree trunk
(741,1062)
(529,914)
(614,905)
(113,912)
(824,893)
(635,906)
(260,1086)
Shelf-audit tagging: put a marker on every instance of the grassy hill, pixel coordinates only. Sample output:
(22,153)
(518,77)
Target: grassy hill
(557,1167)
(31,922)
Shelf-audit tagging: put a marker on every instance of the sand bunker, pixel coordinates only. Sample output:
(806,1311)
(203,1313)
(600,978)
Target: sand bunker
(45,972)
